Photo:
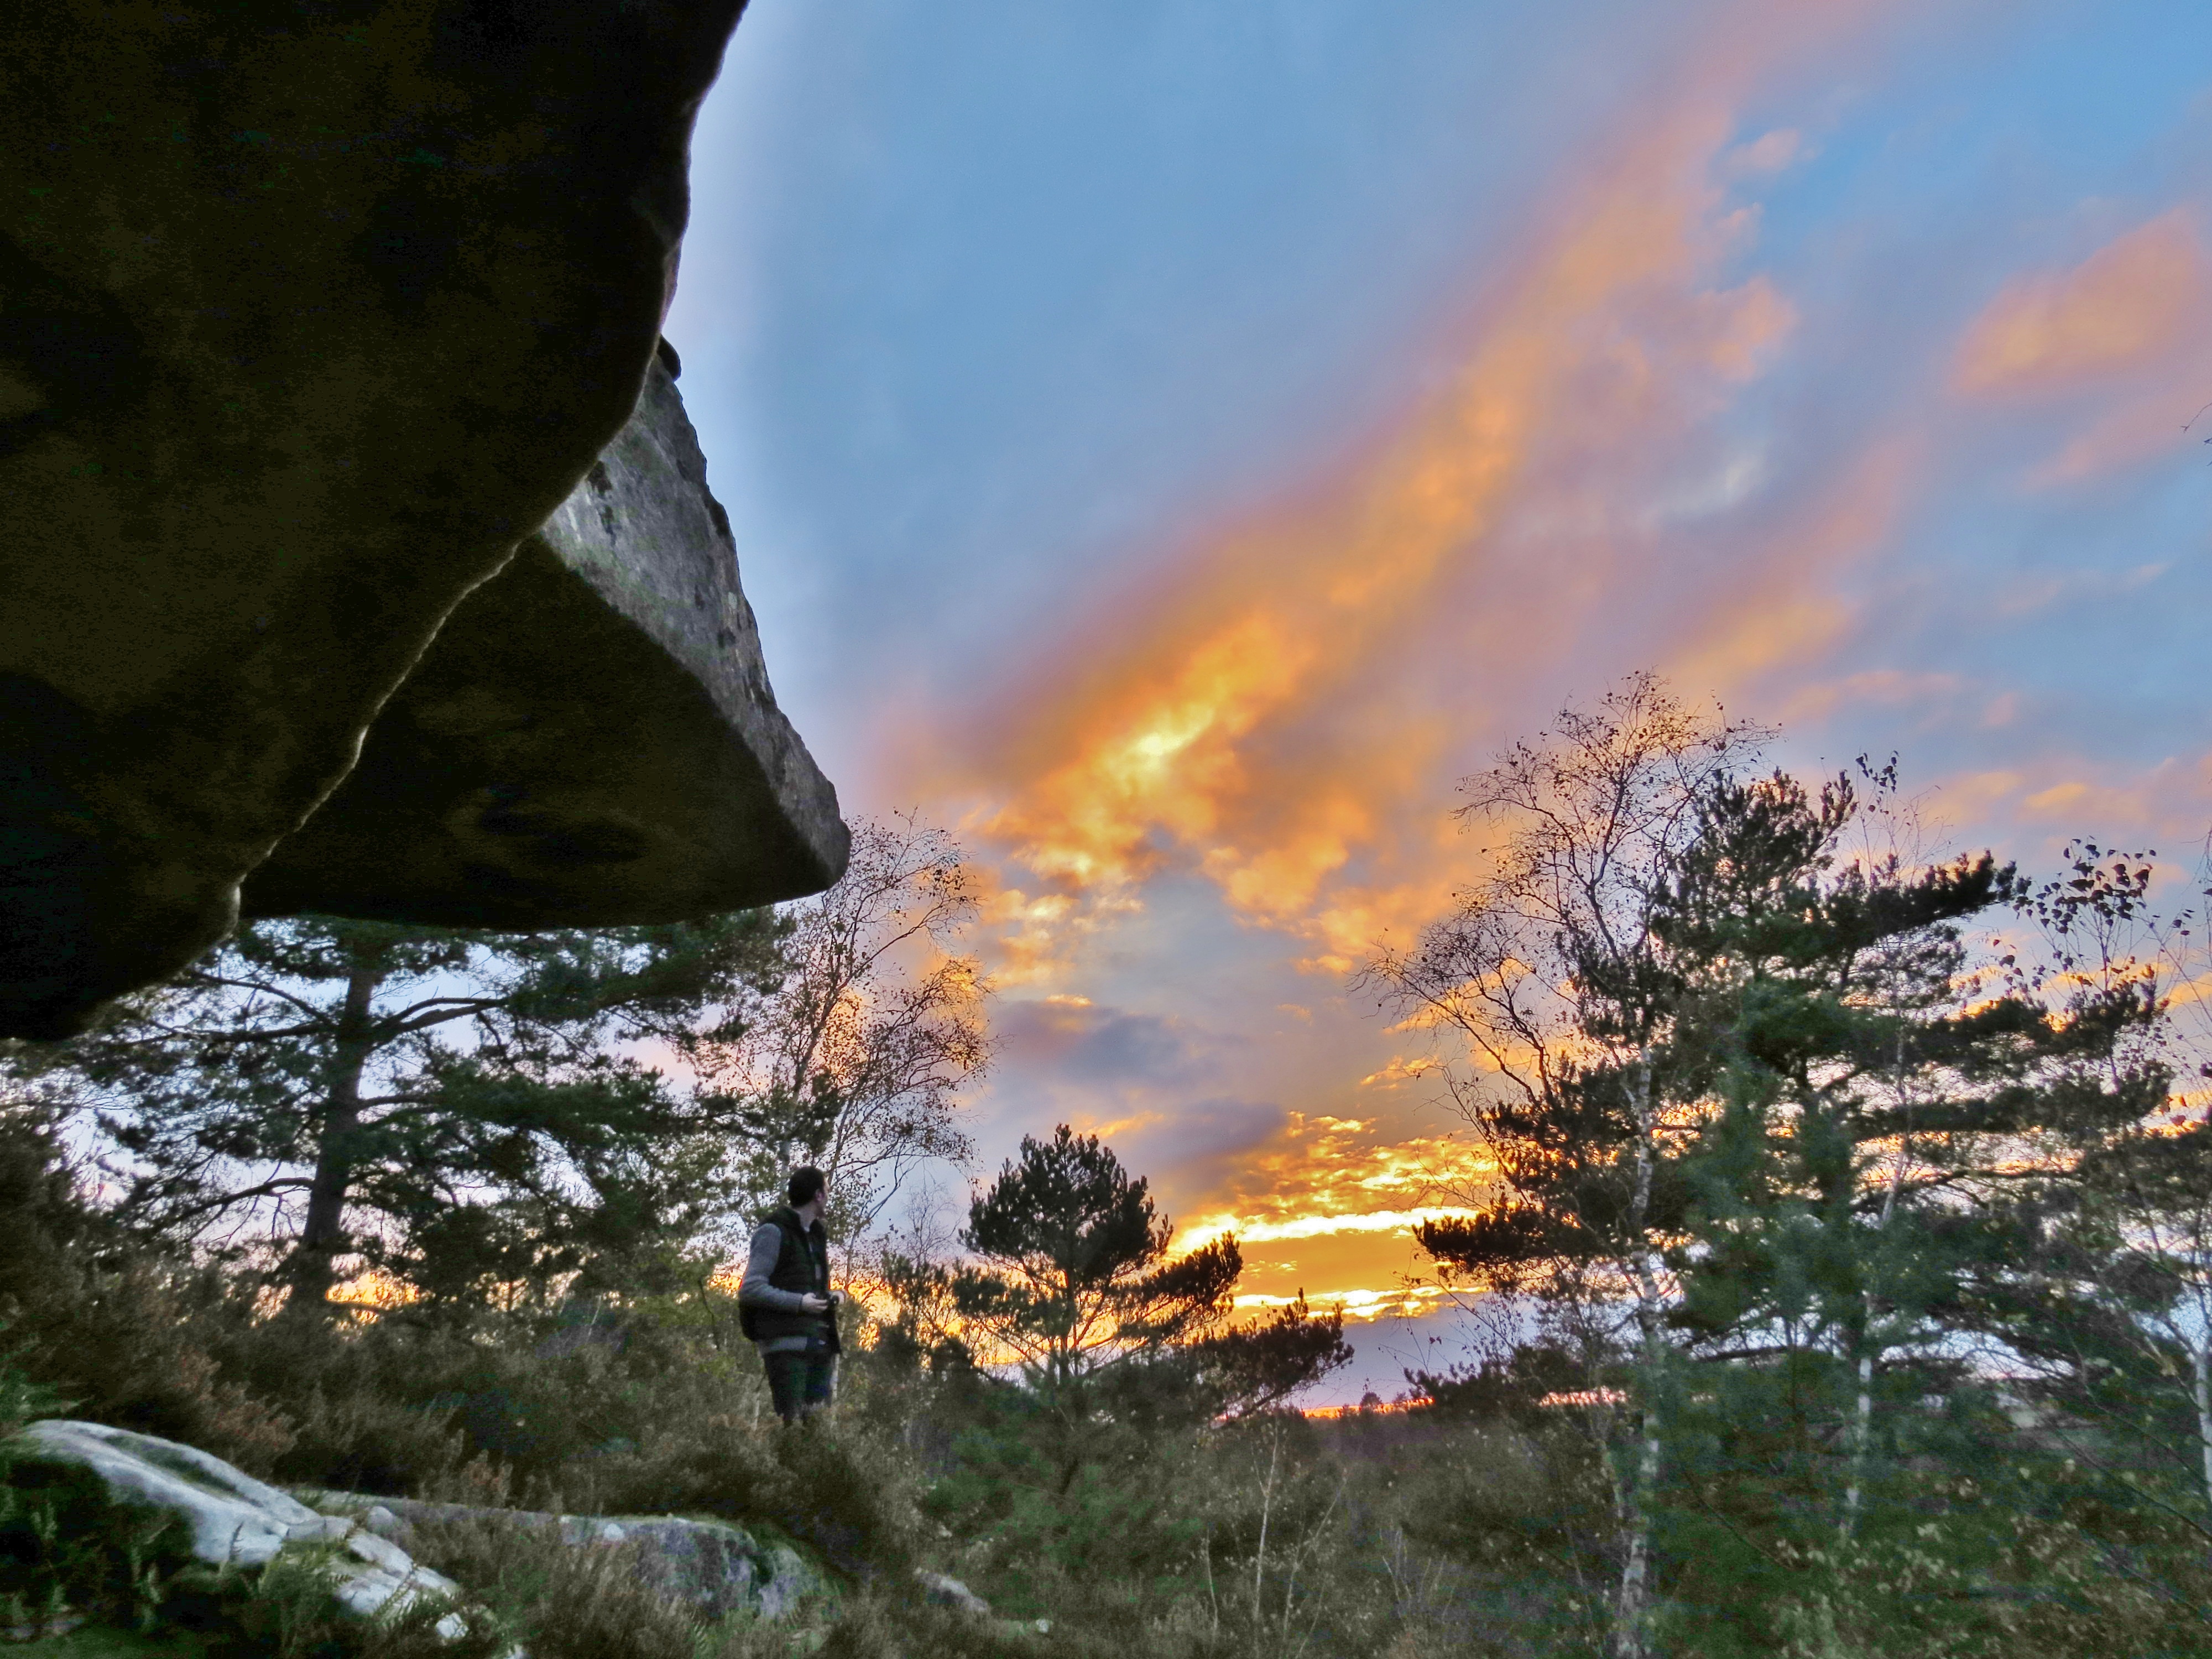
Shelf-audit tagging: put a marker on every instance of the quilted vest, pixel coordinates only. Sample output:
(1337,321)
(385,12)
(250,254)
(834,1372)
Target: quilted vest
(801,1265)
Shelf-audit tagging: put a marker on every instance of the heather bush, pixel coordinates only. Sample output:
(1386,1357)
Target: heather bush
(560,1603)
(108,1329)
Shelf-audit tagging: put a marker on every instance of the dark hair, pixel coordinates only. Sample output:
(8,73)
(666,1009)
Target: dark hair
(806,1183)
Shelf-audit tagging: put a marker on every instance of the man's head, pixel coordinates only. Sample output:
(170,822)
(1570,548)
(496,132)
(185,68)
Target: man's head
(806,1186)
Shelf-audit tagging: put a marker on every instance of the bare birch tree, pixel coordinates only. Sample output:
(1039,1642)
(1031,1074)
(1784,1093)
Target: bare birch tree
(1548,980)
(856,1063)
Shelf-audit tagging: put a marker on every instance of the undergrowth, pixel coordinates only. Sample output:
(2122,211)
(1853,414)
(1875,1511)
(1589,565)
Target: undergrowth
(1461,1530)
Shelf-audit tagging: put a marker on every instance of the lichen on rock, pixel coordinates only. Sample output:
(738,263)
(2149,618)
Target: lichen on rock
(233,1520)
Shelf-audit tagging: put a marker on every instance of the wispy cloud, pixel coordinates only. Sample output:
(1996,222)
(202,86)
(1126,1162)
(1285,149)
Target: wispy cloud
(1257,717)
(1262,736)
(2130,326)
(2131,302)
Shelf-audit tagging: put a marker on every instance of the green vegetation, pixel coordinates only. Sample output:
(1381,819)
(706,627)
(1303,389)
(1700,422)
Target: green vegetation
(368,1076)
(1866,1241)
(1843,1285)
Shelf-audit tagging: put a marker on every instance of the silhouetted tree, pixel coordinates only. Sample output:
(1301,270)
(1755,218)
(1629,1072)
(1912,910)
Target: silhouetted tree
(448,1107)
(1121,1348)
(1072,1274)
(2105,1300)
(855,1064)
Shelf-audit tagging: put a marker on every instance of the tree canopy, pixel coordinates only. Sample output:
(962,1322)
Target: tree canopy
(457,1111)
(1811,1167)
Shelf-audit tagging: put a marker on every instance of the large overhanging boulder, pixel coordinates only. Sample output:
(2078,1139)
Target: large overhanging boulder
(309,314)
(589,740)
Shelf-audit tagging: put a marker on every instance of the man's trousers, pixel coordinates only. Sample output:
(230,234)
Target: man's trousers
(800,1380)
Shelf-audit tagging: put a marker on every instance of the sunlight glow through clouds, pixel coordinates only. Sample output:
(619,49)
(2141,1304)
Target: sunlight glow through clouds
(1315,1226)
(1179,741)
(1401,1301)
(1309,1210)
(1780,377)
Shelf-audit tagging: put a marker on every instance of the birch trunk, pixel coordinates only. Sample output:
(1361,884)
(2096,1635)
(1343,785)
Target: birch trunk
(1863,1416)
(2200,1354)
(1632,1611)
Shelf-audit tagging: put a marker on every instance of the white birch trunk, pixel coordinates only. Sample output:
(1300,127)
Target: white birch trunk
(1632,1611)
(1862,1417)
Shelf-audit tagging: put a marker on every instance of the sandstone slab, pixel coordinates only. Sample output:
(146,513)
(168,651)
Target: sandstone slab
(234,1520)
(714,1567)
(309,314)
(591,739)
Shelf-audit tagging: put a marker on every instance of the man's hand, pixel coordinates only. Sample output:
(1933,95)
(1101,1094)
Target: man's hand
(815,1304)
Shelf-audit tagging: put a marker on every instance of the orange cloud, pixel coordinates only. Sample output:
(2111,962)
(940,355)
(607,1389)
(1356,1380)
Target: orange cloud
(1276,714)
(1248,724)
(1325,1176)
(2128,303)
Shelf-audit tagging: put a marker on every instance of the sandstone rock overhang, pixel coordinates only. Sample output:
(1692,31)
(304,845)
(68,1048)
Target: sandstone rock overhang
(590,740)
(310,312)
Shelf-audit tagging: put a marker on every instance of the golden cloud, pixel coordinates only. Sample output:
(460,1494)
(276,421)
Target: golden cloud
(2131,302)
(1248,724)
(1325,1176)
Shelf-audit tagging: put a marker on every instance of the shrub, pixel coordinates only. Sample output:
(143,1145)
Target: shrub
(118,1332)
(560,1603)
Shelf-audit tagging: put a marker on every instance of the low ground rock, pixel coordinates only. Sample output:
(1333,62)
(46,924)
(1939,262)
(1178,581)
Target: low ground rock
(231,1519)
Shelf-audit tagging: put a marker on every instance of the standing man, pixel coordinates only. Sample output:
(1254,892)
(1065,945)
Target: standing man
(784,1303)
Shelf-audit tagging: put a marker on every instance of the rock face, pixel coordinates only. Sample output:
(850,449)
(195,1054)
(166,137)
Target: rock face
(233,1519)
(591,739)
(309,314)
(712,1566)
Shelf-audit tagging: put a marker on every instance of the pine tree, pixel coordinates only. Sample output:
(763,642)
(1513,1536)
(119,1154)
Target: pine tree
(321,1095)
(1071,1274)
(1882,1098)
(1765,1126)
(1552,972)
(2105,1303)
(1122,1352)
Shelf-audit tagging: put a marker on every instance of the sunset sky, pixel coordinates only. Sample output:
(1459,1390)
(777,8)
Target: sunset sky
(1172,443)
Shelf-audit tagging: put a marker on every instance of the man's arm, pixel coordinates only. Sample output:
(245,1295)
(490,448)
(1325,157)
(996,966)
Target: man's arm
(753,1289)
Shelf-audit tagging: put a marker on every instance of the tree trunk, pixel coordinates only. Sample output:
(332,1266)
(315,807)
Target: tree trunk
(1632,1612)
(323,1238)
(2200,1354)
(1861,1433)
(1862,1417)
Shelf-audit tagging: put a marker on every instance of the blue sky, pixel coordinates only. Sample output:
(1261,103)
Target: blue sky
(1172,443)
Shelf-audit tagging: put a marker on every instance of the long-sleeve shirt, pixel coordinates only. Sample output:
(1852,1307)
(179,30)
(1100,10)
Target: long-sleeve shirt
(754,1288)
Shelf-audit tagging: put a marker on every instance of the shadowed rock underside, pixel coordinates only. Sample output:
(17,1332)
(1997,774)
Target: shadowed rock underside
(309,314)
